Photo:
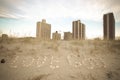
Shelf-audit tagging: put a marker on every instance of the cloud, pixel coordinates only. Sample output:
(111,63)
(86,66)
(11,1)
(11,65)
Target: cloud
(111,6)
(82,9)
(10,8)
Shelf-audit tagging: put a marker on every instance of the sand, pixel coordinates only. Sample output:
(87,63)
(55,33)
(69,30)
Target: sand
(31,59)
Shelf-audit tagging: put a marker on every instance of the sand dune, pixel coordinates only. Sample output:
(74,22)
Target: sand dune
(31,59)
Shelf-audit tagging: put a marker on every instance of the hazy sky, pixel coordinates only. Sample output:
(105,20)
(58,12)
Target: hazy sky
(19,17)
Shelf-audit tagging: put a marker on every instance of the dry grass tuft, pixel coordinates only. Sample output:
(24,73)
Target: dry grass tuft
(5,52)
(113,75)
(51,45)
(78,43)
(40,77)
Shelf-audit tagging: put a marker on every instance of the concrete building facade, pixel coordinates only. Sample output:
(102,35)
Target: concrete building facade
(109,26)
(78,30)
(67,36)
(56,36)
(43,30)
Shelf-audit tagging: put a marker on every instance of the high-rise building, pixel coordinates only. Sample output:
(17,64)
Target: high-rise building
(67,35)
(56,36)
(83,31)
(109,26)
(43,30)
(78,30)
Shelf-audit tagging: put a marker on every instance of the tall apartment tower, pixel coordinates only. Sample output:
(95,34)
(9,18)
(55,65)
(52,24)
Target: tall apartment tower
(78,30)
(109,26)
(43,30)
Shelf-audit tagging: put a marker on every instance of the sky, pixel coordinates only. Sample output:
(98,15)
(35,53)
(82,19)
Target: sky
(19,17)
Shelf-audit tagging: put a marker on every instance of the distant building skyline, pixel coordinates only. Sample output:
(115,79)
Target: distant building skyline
(109,26)
(43,30)
(78,30)
(18,18)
